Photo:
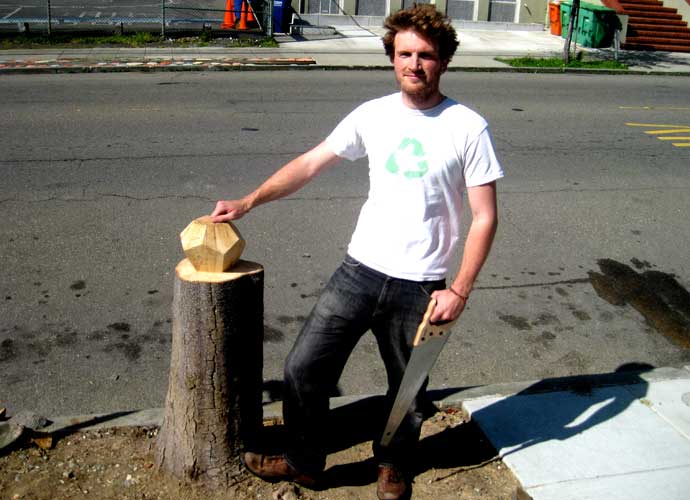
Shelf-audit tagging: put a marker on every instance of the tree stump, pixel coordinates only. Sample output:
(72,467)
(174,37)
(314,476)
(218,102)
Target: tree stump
(213,405)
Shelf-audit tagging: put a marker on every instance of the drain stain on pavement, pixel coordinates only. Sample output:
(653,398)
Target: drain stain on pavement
(517,322)
(658,296)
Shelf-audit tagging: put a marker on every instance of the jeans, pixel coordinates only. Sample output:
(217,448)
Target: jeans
(355,300)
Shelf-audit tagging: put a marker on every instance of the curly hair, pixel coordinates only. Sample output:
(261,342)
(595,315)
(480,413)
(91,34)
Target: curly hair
(425,20)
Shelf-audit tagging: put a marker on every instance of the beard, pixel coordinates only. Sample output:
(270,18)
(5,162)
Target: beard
(419,91)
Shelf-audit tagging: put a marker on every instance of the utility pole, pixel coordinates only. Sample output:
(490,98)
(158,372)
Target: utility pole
(572,26)
(49,19)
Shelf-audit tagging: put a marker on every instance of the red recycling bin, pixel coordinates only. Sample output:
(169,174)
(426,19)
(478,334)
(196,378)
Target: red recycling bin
(555,18)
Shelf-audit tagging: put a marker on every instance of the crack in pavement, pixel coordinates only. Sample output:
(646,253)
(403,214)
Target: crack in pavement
(659,189)
(106,195)
(535,285)
(233,154)
(164,197)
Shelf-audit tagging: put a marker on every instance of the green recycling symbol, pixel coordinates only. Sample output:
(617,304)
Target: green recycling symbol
(413,152)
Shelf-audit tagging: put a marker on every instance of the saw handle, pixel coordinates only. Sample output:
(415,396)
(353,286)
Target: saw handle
(427,329)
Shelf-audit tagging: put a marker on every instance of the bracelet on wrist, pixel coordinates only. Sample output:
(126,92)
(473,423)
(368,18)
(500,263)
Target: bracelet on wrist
(463,297)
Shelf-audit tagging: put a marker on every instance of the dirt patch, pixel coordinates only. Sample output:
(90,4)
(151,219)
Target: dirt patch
(455,462)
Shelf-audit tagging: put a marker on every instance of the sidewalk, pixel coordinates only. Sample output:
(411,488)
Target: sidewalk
(618,436)
(351,47)
(622,437)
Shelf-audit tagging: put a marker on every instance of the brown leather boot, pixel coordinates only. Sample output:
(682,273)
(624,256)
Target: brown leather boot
(275,468)
(391,483)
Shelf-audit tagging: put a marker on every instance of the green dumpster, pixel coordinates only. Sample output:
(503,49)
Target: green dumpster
(565,18)
(595,27)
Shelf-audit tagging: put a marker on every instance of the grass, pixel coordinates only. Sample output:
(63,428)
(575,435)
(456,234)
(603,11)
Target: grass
(140,39)
(557,62)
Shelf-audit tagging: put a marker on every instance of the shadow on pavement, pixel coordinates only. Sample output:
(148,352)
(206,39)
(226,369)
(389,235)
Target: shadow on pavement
(648,59)
(518,422)
(504,422)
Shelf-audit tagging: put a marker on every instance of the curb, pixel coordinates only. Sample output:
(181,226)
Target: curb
(442,398)
(53,66)
(579,71)
(294,64)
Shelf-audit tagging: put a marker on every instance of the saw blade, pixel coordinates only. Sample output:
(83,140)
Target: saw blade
(427,345)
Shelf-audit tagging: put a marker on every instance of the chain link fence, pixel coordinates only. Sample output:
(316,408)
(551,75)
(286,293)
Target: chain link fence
(164,16)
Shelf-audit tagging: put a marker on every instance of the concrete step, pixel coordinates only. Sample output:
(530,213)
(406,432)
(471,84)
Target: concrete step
(636,14)
(655,47)
(649,8)
(665,37)
(641,2)
(656,28)
(656,21)
(658,40)
(651,26)
(671,35)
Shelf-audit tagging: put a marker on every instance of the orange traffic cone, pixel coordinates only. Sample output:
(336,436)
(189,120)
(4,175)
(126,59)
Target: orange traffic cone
(229,17)
(250,12)
(243,16)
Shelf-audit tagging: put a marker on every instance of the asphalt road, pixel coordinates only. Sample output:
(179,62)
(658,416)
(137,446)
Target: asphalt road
(101,172)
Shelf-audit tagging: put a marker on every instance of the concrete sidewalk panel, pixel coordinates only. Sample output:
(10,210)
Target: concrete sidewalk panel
(668,484)
(557,437)
(148,418)
(670,399)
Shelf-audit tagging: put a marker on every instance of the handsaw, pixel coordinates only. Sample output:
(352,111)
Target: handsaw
(428,344)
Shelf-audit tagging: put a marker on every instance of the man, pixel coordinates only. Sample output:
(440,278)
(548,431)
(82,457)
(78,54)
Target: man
(424,151)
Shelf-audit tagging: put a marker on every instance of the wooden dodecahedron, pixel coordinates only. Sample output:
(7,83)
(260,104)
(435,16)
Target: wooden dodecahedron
(212,246)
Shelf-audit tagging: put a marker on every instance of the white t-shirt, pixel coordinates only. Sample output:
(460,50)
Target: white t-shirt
(420,162)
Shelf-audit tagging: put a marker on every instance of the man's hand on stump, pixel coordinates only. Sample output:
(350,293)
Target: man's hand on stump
(227,210)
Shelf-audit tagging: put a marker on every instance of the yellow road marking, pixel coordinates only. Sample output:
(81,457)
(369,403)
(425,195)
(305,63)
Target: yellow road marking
(632,124)
(668,131)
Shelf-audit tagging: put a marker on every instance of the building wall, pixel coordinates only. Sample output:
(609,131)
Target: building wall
(529,11)
(533,11)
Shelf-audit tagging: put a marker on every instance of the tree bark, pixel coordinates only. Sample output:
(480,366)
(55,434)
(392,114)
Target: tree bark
(213,405)
(572,26)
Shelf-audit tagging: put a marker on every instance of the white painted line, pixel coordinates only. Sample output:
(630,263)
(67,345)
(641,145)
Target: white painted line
(82,14)
(13,12)
(113,14)
(98,14)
